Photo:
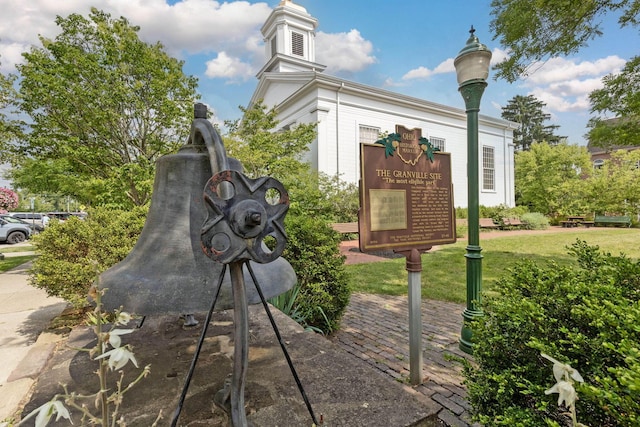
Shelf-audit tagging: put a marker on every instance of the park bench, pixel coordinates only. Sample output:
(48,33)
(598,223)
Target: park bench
(512,223)
(605,220)
(346,227)
(488,223)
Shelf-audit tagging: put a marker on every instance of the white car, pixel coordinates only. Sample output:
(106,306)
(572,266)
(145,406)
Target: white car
(13,230)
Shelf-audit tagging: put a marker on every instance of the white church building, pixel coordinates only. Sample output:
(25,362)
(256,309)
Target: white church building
(349,113)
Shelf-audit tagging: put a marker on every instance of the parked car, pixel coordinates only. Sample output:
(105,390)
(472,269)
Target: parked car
(13,230)
(36,220)
(60,216)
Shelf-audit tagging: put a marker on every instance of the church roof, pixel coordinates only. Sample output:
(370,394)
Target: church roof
(306,81)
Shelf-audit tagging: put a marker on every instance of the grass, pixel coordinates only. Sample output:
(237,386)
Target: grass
(7,249)
(11,262)
(444,270)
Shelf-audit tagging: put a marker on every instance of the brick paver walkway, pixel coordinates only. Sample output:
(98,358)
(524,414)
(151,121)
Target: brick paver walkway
(375,328)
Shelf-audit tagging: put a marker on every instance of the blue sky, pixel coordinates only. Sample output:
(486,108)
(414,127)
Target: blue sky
(406,46)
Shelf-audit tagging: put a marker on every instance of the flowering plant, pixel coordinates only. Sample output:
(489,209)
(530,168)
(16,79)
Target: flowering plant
(8,199)
(107,400)
(565,376)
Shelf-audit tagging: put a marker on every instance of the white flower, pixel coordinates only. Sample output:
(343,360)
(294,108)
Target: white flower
(114,336)
(118,357)
(123,318)
(566,393)
(47,410)
(562,370)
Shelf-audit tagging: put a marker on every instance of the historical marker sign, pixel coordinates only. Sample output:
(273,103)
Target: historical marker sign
(406,198)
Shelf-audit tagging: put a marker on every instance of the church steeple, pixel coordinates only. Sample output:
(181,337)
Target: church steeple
(289,36)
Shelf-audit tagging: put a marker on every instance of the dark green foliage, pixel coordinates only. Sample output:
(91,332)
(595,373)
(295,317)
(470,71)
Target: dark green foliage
(72,252)
(620,96)
(103,105)
(533,32)
(312,250)
(528,112)
(586,315)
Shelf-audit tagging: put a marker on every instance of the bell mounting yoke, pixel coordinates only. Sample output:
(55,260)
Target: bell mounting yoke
(242,213)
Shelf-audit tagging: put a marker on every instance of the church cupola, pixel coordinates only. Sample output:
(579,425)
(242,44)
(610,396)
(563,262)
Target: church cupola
(289,36)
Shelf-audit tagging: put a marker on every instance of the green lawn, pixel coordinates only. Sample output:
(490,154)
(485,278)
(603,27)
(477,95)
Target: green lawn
(444,270)
(10,262)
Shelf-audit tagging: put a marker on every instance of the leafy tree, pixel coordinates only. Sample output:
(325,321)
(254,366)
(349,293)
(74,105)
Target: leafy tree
(9,128)
(322,292)
(615,188)
(104,106)
(527,110)
(263,151)
(534,32)
(550,179)
(620,96)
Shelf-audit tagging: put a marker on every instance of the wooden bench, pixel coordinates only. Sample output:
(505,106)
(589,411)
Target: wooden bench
(346,227)
(512,222)
(488,223)
(605,220)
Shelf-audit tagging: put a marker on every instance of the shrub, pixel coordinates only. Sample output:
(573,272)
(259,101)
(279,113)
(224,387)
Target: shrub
(313,251)
(585,315)
(71,252)
(535,221)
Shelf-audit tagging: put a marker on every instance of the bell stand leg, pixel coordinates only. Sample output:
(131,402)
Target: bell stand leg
(240,345)
(187,382)
(283,347)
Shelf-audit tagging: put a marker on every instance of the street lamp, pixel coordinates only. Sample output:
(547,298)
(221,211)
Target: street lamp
(472,70)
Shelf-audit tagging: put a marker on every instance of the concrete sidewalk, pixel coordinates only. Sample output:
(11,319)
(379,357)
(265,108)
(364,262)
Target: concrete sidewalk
(24,350)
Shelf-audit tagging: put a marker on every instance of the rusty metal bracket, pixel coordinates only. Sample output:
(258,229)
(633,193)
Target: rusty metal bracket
(246,218)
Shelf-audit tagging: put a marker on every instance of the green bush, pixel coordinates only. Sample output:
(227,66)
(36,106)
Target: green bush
(585,315)
(313,251)
(535,221)
(72,252)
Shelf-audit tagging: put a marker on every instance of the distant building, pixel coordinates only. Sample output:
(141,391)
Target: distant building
(599,155)
(349,113)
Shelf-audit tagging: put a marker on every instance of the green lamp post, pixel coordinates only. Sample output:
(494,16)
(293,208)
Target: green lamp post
(472,70)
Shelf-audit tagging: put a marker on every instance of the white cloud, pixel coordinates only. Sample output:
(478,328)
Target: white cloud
(198,26)
(565,84)
(498,55)
(225,66)
(344,51)
(561,69)
(423,73)
(191,26)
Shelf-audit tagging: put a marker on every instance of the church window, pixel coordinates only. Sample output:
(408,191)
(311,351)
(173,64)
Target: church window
(438,143)
(297,44)
(274,46)
(488,168)
(369,134)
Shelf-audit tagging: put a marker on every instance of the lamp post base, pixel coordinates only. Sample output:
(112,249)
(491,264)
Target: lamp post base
(466,342)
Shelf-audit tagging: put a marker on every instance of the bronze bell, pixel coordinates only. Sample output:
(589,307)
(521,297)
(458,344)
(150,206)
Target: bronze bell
(167,270)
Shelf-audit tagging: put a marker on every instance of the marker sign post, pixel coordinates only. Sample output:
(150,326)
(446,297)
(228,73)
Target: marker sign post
(406,204)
